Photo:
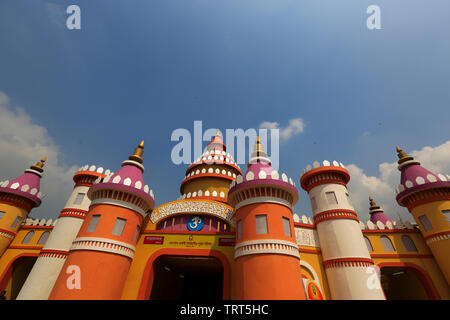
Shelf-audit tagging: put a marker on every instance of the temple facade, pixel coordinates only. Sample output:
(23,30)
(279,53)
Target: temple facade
(230,235)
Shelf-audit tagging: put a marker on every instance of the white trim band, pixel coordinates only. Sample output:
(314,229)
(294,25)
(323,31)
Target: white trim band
(6,235)
(437,238)
(266,246)
(104,245)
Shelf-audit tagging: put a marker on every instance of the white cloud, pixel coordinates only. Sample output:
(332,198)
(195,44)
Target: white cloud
(381,188)
(23,143)
(296,126)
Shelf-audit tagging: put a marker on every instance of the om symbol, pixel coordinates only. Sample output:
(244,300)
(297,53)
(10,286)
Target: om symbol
(195,223)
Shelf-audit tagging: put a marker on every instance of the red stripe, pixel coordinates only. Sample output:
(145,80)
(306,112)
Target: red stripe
(304,225)
(347,262)
(49,251)
(328,215)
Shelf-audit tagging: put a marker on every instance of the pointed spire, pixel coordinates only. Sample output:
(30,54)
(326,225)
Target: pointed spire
(373,205)
(258,145)
(40,165)
(402,156)
(217,143)
(138,152)
(258,155)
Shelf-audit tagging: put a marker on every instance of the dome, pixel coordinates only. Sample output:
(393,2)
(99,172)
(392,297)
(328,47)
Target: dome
(26,185)
(415,178)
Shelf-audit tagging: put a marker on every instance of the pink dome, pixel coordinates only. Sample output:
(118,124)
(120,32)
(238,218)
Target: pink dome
(26,185)
(414,177)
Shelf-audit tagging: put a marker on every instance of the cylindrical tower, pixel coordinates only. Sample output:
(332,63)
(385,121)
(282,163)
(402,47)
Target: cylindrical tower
(17,198)
(346,258)
(51,259)
(267,260)
(427,197)
(100,257)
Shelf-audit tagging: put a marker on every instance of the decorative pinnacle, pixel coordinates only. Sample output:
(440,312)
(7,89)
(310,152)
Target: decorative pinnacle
(373,205)
(40,165)
(138,152)
(218,133)
(258,145)
(402,156)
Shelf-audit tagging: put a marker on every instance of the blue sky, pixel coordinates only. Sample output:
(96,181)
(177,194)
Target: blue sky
(141,69)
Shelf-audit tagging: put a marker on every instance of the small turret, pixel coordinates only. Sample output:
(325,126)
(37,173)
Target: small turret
(17,198)
(377,214)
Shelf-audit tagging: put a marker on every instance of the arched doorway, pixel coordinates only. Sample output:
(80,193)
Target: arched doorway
(16,274)
(187,277)
(406,281)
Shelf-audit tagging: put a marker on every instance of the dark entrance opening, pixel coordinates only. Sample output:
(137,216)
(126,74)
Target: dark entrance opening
(187,277)
(16,276)
(400,283)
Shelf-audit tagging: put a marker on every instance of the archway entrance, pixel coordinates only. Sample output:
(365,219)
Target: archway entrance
(16,276)
(404,283)
(187,277)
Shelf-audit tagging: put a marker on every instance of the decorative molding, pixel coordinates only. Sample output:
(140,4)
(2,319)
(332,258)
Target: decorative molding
(104,245)
(347,262)
(7,234)
(217,209)
(441,236)
(74,213)
(335,214)
(265,246)
(52,253)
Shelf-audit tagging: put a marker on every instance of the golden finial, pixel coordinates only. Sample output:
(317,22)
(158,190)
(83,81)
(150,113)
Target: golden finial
(373,205)
(402,156)
(40,165)
(258,145)
(218,134)
(138,152)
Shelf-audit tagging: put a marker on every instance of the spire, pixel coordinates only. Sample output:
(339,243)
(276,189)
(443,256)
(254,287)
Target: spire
(373,205)
(39,166)
(402,156)
(376,213)
(138,152)
(258,154)
(258,146)
(217,143)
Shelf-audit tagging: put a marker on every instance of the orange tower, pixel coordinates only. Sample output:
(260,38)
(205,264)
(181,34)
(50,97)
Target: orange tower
(100,257)
(17,198)
(267,260)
